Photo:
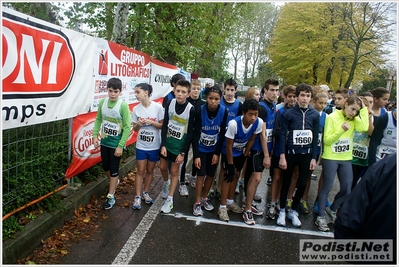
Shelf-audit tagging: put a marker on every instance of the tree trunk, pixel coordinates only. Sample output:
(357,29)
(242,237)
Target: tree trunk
(119,30)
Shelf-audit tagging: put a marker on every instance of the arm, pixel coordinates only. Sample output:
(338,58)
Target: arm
(97,123)
(221,134)
(331,134)
(197,133)
(125,112)
(190,127)
(263,140)
(164,128)
(362,121)
(283,138)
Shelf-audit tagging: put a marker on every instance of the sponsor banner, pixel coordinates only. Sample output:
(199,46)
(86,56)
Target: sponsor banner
(44,71)
(161,73)
(114,60)
(347,250)
(84,155)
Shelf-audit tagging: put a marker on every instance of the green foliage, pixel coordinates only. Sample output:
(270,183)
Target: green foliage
(41,10)
(10,227)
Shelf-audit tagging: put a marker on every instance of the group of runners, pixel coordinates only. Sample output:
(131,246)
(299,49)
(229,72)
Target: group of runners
(289,139)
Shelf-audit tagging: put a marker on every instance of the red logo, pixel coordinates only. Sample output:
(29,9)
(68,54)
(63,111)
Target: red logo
(38,61)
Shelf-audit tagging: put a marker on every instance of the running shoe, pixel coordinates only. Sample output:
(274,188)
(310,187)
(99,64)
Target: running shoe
(271,212)
(147,198)
(197,211)
(137,203)
(303,207)
(333,214)
(313,176)
(281,219)
(109,202)
(167,206)
(269,181)
(186,179)
(234,207)
(193,180)
(288,205)
(322,223)
(257,198)
(165,189)
(183,190)
(223,216)
(206,204)
(293,216)
(248,217)
(256,211)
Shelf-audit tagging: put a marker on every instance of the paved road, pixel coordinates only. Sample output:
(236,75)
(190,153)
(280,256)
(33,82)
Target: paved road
(148,237)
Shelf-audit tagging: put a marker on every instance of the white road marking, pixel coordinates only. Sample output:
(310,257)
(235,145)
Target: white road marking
(276,228)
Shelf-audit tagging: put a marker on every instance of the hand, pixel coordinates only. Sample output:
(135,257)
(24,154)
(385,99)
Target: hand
(266,162)
(229,173)
(96,143)
(312,165)
(118,152)
(163,151)
(283,164)
(345,126)
(215,159)
(197,163)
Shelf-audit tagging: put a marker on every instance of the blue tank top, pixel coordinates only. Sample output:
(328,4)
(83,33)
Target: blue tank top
(232,110)
(269,120)
(276,148)
(210,129)
(241,138)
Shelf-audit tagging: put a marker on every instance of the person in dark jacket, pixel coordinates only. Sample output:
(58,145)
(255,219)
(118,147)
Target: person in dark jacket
(369,212)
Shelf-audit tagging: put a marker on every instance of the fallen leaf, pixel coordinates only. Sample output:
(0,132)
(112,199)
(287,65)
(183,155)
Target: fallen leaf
(86,220)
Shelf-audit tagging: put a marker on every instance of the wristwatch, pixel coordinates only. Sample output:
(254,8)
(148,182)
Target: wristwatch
(182,154)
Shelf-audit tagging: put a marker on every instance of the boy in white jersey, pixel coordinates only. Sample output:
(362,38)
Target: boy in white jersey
(113,116)
(147,119)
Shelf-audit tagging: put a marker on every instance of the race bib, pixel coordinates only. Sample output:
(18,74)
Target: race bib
(302,137)
(176,131)
(111,129)
(239,146)
(384,150)
(360,151)
(208,140)
(319,139)
(341,146)
(147,136)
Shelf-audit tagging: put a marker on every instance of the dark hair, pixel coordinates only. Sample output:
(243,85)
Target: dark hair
(366,94)
(145,87)
(230,82)
(250,104)
(342,91)
(304,87)
(114,83)
(269,81)
(184,83)
(289,89)
(175,78)
(215,89)
(379,92)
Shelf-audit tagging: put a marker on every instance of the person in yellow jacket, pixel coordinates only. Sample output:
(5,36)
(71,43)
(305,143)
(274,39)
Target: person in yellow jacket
(337,154)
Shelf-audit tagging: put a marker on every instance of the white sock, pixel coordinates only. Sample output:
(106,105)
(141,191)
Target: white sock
(229,201)
(110,195)
(170,198)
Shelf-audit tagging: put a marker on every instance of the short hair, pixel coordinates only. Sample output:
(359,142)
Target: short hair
(270,81)
(250,92)
(184,83)
(379,92)
(146,87)
(343,91)
(215,89)
(175,78)
(250,104)
(289,89)
(195,82)
(114,83)
(230,82)
(303,87)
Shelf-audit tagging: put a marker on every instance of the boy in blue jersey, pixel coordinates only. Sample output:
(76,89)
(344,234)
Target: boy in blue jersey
(234,109)
(240,136)
(176,136)
(298,142)
(171,94)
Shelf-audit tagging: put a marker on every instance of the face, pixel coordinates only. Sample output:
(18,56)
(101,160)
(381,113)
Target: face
(350,111)
(195,91)
(320,103)
(271,94)
(304,99)
(339,100)
(370,100)
(140,94)
(229,92)
(114,94)
(257,95)
(290,100)
(250,117)
(213,100)
(382,101)
(181,94)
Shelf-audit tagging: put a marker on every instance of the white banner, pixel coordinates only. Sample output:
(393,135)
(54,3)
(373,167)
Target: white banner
(161,73)
(46,73)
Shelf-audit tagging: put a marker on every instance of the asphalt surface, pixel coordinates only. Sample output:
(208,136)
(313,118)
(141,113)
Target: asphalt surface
(147,236)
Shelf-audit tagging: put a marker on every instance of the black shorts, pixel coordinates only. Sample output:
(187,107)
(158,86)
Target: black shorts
(275,162)
(109,161)
(169,156)
(206,165)
(255,161)
(237,161)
